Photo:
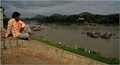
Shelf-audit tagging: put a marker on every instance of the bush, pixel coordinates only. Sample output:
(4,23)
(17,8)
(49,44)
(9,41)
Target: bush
(94,52)
(81,49)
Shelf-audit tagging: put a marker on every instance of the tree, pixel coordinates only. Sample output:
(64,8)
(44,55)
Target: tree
(88,17)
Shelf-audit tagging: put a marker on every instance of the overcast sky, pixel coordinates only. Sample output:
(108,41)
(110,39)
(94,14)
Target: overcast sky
(29,8)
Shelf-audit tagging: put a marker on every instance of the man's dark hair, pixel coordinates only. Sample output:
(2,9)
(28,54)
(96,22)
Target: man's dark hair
(15,14)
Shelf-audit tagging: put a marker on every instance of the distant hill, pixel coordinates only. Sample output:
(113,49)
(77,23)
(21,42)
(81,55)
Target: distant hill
(56,14)
(85,13)
(38,16)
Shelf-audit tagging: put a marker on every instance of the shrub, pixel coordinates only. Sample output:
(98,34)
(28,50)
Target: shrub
(81,49)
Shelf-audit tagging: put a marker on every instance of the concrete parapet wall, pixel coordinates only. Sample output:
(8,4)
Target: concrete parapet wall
(17,46)
(13,46)
(60,55)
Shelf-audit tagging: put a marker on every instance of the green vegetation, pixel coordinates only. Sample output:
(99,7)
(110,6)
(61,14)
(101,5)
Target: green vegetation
(5,22)
(107,20)
(81,51)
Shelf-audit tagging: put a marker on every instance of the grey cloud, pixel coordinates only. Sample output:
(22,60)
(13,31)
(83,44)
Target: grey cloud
(15,4)
(27,4)
(32,8)
(46,3)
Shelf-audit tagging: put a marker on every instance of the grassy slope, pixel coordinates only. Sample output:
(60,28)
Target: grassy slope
(79,52)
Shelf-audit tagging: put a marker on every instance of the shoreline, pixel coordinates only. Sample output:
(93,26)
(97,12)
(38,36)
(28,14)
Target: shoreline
(88,25)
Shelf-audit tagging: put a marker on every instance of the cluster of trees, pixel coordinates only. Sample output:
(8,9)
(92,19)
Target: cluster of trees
(75,19)
(111,19)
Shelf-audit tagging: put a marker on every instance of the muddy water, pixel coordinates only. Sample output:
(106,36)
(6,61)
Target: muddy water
(72,36)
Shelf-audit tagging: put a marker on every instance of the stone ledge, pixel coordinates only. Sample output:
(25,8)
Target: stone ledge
(60,55)
(13,45)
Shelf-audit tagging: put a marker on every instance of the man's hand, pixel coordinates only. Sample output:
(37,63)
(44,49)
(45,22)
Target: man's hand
(21,29)
(4,36)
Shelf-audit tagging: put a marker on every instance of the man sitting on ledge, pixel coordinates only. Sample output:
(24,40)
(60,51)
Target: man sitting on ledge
(17,28)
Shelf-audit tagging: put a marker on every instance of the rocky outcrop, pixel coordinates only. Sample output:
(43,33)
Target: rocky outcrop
(106,35)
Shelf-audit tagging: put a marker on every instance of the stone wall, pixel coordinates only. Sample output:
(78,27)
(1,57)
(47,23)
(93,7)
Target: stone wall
(60,55)
(13,46)
(17,46)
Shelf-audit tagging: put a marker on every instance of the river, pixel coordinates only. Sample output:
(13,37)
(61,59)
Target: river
(71,36)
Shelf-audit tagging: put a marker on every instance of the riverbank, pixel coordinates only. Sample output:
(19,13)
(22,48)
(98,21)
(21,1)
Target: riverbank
(83,24)
(71,36)
(81,52)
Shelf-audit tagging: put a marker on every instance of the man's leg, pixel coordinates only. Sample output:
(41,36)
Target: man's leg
(26,29)
(23,35)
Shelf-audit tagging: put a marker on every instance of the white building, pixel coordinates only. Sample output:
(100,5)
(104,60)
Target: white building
(80,18)
(1,17)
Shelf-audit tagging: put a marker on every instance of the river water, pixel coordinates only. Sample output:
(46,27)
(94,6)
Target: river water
(71,36)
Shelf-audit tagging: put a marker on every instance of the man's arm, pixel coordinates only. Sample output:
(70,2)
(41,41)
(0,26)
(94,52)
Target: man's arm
(22,26)
(21,29)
